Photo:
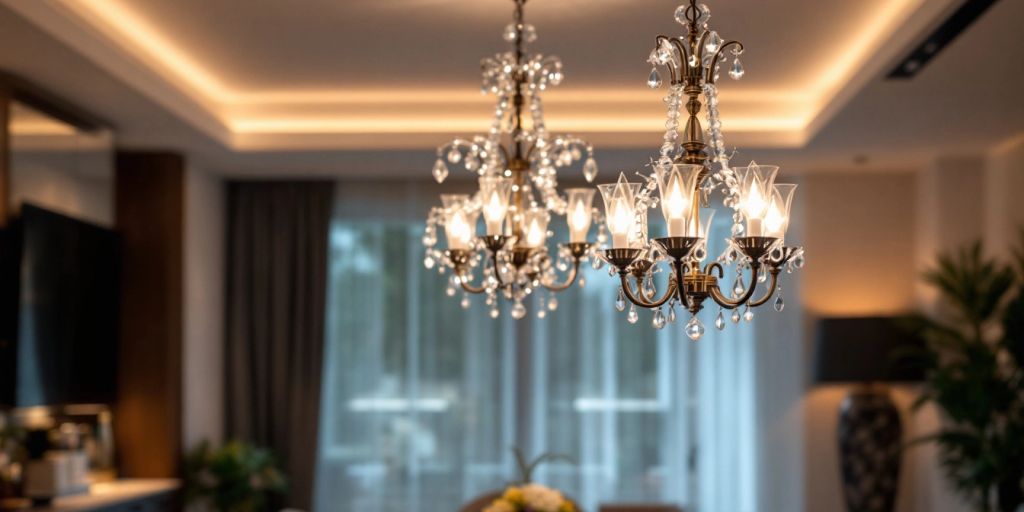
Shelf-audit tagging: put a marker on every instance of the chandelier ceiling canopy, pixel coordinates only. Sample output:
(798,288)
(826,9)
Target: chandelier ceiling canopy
(518,193)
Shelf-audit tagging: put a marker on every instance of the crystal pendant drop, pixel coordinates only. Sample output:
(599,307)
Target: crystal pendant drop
(737,287)
(735,316)
(780,304)
(590,170)
(720,321)
(440,171)
(450,291)
(552,304)
(632,317)
(658,321)
(705,15)
(737,70)
(428,262)
(620,301)
(541,313)
(748,315)
(495,313)
(694,329)
(518,310)
(672,313)
(454,156)
(654,81)
(465,302)
(713,43)
(681,15)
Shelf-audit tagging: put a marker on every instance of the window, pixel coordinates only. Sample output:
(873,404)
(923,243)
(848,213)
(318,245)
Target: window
(423,400)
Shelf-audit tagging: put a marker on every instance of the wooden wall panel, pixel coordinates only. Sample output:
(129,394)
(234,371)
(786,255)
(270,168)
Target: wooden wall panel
(149,211)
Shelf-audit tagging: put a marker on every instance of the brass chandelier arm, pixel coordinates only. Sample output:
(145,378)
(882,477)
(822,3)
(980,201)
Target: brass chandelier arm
(710,77)
(569,280)
(725,302)
(639,301)
(464,278)
(771,290)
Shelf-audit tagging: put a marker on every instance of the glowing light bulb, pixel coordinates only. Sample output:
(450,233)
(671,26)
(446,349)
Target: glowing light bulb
(755,206)
(622,221)
(774,221)
(535,234)
(494,210)
(459,231)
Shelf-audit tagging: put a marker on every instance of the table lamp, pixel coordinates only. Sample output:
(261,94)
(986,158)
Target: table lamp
(868,352)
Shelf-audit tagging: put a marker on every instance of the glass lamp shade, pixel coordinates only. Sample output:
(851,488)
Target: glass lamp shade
(776,221)
(459,221)
(756,186)
(535,228)
(579,213)
(677,184)
(494,197)
(619,212)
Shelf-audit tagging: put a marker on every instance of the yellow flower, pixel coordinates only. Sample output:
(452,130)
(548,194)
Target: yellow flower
(567,507)
(514,495)
(500,505)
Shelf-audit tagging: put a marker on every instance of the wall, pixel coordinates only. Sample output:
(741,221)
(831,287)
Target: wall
(874,234)
(204,308)
(78,186)
(859,230)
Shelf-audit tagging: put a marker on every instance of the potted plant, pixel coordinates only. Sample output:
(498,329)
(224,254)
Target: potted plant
(236,477)
(975,374)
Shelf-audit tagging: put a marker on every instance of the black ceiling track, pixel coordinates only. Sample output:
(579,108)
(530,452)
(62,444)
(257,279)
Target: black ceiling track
(946,33)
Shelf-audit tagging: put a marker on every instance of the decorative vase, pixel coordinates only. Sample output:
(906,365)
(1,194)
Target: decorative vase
(870,436)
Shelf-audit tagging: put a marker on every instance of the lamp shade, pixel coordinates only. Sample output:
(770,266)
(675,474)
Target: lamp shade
(865,349)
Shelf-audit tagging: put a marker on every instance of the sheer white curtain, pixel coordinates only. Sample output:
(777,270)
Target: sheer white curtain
(422,400)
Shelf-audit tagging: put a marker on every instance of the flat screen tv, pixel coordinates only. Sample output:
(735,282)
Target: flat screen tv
(61,296)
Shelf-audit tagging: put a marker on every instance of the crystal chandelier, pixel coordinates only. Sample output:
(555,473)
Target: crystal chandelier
(684,176)
(516,164)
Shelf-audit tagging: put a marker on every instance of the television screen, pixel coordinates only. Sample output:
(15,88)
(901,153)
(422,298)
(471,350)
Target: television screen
(65,327)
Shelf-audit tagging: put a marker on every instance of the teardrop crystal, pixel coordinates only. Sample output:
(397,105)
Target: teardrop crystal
(658,321)
(735,316)
(465,302)
(748,315)
(694,329)
(713,42)
(720,321)
(590,170)
(552,304)
(454,156)
(632,317)
(780,304)
(737,70)
(495,313)
(440,171)
(672,313)
(518,311)
(620,301)
(654,81)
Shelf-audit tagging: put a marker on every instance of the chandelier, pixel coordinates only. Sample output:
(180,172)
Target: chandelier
(685,175)
(516,163)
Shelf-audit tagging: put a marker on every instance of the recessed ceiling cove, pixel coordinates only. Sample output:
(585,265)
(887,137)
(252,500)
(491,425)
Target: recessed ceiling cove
(329,74)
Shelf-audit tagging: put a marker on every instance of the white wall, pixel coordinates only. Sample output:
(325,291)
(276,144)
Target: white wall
(75,184)
(203,358)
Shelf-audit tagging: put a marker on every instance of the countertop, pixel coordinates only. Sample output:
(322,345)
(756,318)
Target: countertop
(110,494)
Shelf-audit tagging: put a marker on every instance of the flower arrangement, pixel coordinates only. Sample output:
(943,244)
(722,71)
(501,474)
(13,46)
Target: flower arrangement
(531,498)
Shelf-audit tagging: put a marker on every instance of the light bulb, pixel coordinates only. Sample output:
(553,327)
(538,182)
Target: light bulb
(580,217)
(774,221)
(535,234)
(495,209)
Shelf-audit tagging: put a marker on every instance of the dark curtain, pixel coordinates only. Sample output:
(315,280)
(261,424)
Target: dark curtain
(277,283)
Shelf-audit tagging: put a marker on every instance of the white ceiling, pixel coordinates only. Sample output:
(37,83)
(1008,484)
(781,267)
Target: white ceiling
(314,84)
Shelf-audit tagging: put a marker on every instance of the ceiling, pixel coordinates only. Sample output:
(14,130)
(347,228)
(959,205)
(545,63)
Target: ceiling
(248,83)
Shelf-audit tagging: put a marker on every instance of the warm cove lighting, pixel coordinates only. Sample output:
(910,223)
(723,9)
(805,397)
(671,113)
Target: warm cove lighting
(133,33)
